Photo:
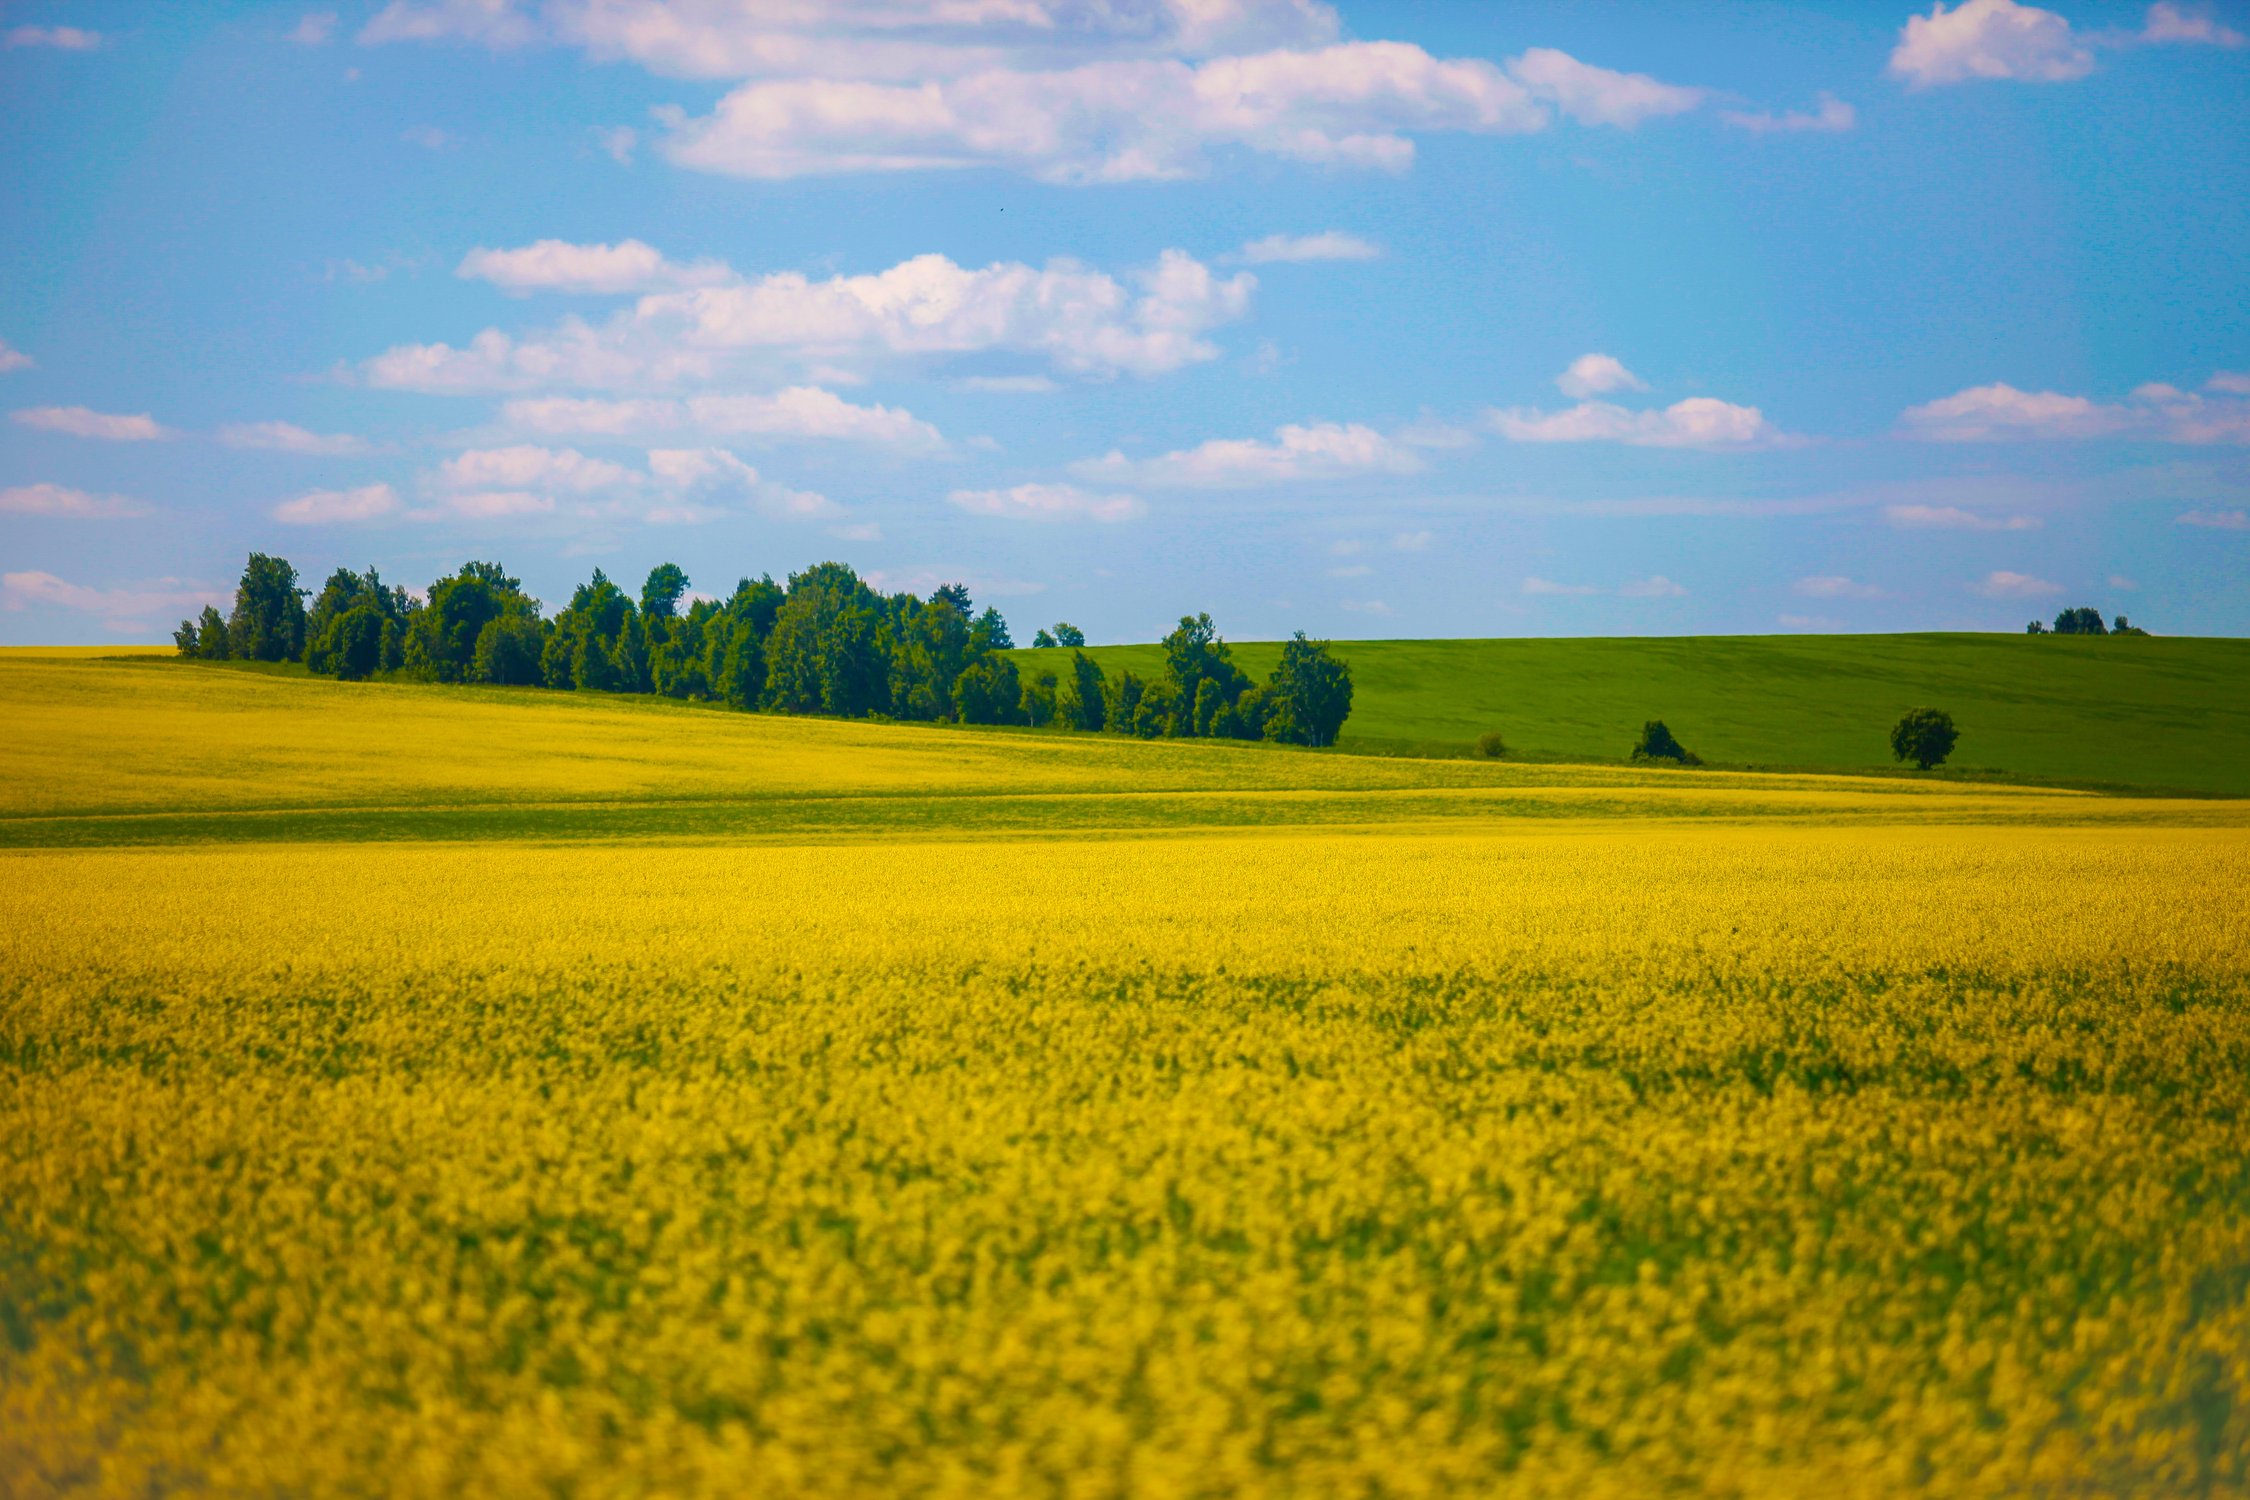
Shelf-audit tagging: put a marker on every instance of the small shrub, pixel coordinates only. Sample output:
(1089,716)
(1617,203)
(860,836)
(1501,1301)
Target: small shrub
(1925,736)
(1657,743)
(1490,745)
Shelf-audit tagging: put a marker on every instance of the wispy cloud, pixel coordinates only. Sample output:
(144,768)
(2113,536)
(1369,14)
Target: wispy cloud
(61,38)
(1832,115)
(80,421)
(58,500)
(1049,502)
(1330,244)
(121,610)
(287,437)
(13,359)
(1954,518)
(1298,453)
(2005,584)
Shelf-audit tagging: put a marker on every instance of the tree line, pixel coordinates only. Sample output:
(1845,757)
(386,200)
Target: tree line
(826,643)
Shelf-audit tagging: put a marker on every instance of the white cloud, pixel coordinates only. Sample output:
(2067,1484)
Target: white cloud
(1548,588)
(370,502)
(1833,115)
(287,437)
(1124,119)
(120,609)
(2156,412)
(1599,96)
(1351,570)
(2006,585)
(1656,586)
(1322,450)
(314,28)
(1953,518)
(2168,23)
(619,142)
(1833,586)
(57,500)
(525,466)
(796,412)
(860,38)
(559,266)
(13,359)
(1595,375)
(858,531)
(428,137)
(62,38)
(1049,502)
(679,486)
(1412,541)
(1989,39)
(2217,520)
(79,421)
(2229,382)
(1329,244)
(1698,422)
(1366,606)
(1006,385)
(1081,320)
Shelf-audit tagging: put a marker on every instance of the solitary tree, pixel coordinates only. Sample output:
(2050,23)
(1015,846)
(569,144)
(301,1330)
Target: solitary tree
(1657,742)
(1924,736)
(1309,695)
(1067,634)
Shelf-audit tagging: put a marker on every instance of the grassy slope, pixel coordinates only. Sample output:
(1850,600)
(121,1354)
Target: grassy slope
(2137,712)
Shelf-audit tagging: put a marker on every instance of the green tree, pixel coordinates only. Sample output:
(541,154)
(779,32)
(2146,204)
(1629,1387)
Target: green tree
(1041,640)
(211,637)
(1079,701)
(660,595)
(1157,713)
(988,691)
(1657,742)
(1067,634)
(442,641)
(508,651)
(1210,702)
(825,654)
(990,633)
(269,612)
(2081,621)
(1925,736)
(351,644)
(929,646)
(1121,701)
(1309,695)
(344,592)
(1194,655)
(184,638)
(1037,705)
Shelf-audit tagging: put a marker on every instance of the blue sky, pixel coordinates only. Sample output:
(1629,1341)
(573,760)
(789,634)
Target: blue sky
(1371,320)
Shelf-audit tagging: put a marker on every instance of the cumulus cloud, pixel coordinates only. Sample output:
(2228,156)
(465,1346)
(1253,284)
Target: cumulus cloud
(1834,586)
(119,609)
(79,421)
(796,412)
(57,500)
(1319,451)
(287,437)
(370,502)
(2156,412)
(1655,586)
(1329,244)
(1595,375)
(1953,518)
(61,38)
(1081,320)
(1832,115)
(1698,422)
(13,359)
(2217,520)
(2003,584)
(1049,502)
(559,266)
(1989,39)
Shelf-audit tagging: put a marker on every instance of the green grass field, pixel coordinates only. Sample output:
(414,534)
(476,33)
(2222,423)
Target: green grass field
(2145,712)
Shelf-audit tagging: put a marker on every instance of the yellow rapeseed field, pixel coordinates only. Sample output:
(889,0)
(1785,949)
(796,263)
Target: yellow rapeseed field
(1731,1136)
